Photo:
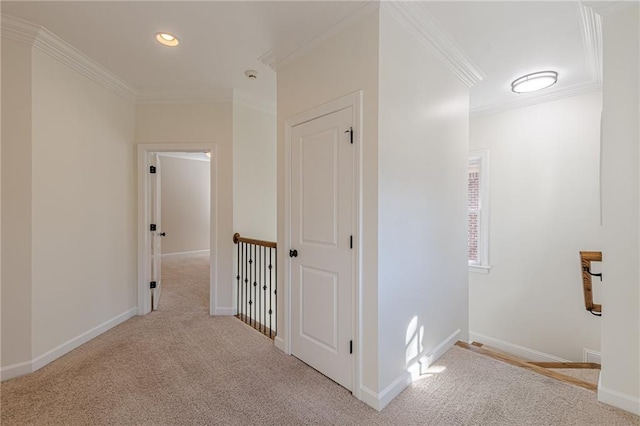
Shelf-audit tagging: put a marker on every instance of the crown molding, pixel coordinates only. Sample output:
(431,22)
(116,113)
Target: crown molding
(591,28)
(418,21)
(578,89)
(604,8)
(278,58)
(47,42)
(18,30)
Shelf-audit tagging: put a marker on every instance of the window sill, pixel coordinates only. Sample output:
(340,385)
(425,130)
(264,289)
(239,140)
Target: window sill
(480,269)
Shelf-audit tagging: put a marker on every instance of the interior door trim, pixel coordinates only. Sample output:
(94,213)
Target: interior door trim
(283,340)
(144,250)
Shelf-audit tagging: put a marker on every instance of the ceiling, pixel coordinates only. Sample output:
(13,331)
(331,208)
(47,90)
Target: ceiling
(220,40)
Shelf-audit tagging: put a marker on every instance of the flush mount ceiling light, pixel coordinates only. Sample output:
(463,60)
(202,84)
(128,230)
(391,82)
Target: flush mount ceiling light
(167,39)
(535,81)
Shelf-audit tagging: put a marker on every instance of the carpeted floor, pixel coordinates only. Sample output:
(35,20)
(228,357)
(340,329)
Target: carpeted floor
(179,366)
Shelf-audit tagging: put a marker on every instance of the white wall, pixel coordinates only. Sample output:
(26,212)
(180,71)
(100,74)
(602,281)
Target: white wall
(185,198)
(254,172)
(544,209)
(201,123)
(620,376)
(422,198)
(16,202)
(83,194)
(68,199)
(340,65)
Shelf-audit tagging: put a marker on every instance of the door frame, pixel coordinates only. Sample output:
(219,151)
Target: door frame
(144,249)
(283,341)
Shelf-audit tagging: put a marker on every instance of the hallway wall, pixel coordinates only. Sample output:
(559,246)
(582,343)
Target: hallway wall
(254,172)
(422,238)
(68,199)
(341,65)
(16,203)
(620,377)
(201,123)
(186,201)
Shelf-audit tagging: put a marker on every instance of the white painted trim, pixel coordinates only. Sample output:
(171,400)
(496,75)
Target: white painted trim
(481,156)
(618,399)
(186,253)
(144,305)
(369,397)
(416,19)
(47,42)
(427,360)
(512,348)
(380,400)
(224,311)
(354,101)
(27,367)
(279,58)
(394,389)
(279,343)
(591,29)
(83,338)
(16,370)
(608,7)
(412,373)
(479,269)
(551,95)
(193,156)
(589,355)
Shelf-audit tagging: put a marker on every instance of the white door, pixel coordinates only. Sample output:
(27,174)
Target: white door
(322,203)
(155,231)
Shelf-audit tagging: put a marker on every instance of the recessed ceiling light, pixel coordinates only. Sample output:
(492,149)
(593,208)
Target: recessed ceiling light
(535,81)
(167,39)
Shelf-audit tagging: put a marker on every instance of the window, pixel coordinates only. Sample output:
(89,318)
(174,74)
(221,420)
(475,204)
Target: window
(478,211)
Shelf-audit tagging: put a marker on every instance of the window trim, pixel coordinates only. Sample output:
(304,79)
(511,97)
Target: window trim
(481,156)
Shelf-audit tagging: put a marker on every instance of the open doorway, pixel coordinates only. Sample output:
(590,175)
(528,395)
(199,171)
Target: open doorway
(176,224)
(183,230)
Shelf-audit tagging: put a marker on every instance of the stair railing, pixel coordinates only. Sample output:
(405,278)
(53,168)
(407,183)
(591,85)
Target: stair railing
(257,284)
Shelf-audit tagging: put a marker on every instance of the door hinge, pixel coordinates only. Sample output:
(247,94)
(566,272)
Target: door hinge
(350,131)
(152,169)
(350,346)
(152,227)
(152,284)
(351,242)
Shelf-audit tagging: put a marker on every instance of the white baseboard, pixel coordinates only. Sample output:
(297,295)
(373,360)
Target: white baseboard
(427,360)
(521,351)
(380,400)
(224,311)
(15,370)
(620,400)
(186,253)
(37,363)
(589,355)
(369,397)
(279,343)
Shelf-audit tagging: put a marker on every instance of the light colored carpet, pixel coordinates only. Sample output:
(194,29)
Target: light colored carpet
(178,366)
